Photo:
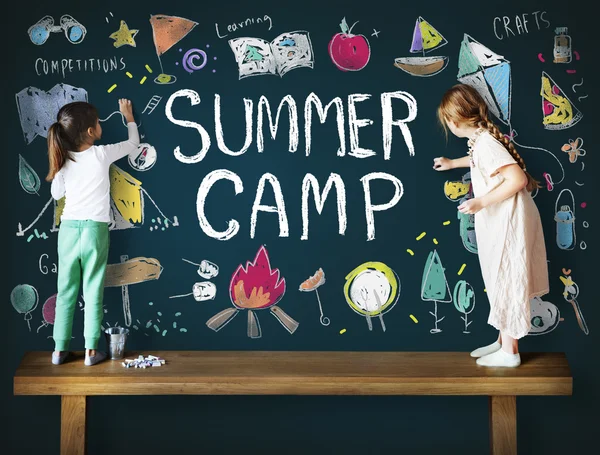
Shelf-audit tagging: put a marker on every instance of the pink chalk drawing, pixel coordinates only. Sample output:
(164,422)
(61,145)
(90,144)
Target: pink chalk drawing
(347,51)
(252,288)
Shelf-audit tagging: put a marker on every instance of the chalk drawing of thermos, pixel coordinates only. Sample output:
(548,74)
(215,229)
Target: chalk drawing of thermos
(565,223)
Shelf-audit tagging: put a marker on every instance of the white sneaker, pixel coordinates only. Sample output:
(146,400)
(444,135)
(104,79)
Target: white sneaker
(500,358)
(94,359)
(485,350)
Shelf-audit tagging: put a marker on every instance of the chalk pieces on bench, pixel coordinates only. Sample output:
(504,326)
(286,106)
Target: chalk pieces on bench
(141,362)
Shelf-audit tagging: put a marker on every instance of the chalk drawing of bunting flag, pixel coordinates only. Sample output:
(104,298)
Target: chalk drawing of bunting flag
(38,108)
(488,73)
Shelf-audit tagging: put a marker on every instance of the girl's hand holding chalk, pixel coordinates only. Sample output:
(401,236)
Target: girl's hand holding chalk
(126,109)
(471,206)
(442,164)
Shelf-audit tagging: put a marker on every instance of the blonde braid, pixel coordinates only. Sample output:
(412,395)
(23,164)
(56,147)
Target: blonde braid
(494,131)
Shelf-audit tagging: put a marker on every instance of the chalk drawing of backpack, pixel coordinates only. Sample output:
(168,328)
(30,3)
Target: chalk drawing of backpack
(565,223)
(462,191)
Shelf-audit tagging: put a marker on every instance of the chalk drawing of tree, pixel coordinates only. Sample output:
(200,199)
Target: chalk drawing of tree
(434,286)
(464,300)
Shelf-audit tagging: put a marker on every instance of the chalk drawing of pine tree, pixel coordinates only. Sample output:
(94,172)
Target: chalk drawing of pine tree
(434,286)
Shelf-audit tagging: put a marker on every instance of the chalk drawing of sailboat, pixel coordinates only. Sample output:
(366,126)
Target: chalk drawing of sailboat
(425,39)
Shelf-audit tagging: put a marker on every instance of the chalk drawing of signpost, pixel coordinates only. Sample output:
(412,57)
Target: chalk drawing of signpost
(131,271)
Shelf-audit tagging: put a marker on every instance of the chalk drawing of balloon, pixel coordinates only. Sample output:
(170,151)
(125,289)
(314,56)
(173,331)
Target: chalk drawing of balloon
(371,290)
(48,311)
(143,158)
(545,316)
(24,299)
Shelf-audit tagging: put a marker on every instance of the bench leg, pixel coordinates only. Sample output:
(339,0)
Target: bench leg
(72,424)
(503,425)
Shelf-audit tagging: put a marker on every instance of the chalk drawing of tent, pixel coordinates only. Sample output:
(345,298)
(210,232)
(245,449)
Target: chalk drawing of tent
(127,197)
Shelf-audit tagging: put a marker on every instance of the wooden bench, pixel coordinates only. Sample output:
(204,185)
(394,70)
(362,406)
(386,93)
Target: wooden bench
(297,373)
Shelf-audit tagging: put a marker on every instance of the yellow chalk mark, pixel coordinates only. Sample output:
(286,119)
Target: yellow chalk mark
(143,80)
(342,331)
(435,241)
(114,86)
(411,252)
(423,234)
(431,38)
(58,211)
(566,281)
(126,194)
(455,190)
(149,69)
(129,75)
(446,223)
(414,319)
(461,269)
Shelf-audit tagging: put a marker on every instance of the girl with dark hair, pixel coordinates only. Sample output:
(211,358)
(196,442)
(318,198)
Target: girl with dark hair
(79,171)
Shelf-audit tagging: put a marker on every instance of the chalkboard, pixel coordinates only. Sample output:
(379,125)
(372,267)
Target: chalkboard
(283,196)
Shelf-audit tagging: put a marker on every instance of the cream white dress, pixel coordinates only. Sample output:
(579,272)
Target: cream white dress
(510,242)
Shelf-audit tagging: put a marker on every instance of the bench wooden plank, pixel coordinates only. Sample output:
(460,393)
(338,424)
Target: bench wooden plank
(72,424)
(503,425)
(297,373)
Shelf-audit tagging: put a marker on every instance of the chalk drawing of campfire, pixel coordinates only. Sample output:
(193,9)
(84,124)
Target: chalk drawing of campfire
(253,288)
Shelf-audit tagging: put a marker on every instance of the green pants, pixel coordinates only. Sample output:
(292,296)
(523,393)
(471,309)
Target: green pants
(82,254)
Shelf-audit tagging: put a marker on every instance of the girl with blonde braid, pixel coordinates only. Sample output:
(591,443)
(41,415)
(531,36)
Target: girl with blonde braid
(510,240)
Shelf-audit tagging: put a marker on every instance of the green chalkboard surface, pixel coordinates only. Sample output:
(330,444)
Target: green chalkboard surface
(283,198)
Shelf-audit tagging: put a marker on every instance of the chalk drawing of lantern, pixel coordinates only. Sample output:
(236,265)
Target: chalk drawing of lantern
(565,223)
(127,201)
(253,288)
(462,191)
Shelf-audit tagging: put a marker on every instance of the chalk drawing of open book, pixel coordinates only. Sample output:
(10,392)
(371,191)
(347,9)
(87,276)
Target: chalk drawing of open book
(127,202)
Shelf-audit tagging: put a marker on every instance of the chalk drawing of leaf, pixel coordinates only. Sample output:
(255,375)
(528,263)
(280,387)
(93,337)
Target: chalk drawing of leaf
(28,177)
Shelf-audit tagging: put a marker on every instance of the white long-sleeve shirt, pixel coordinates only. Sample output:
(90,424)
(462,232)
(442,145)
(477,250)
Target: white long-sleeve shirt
(85,181)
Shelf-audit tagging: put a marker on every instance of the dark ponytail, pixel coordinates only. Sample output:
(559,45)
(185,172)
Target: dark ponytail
(68,133)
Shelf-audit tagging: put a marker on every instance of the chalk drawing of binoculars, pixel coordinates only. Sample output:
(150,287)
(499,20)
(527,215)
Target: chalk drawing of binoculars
(39,32)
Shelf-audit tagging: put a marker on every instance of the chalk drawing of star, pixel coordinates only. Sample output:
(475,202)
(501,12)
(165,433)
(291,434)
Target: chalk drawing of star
(124,36)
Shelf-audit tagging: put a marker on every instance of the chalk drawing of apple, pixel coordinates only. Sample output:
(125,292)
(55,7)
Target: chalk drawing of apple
(347,51)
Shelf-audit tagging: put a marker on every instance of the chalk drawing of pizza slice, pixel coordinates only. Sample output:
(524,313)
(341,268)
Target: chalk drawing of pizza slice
(127,200)
(559,112)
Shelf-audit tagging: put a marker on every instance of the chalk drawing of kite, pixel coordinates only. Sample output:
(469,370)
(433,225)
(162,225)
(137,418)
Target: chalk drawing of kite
(488,73)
